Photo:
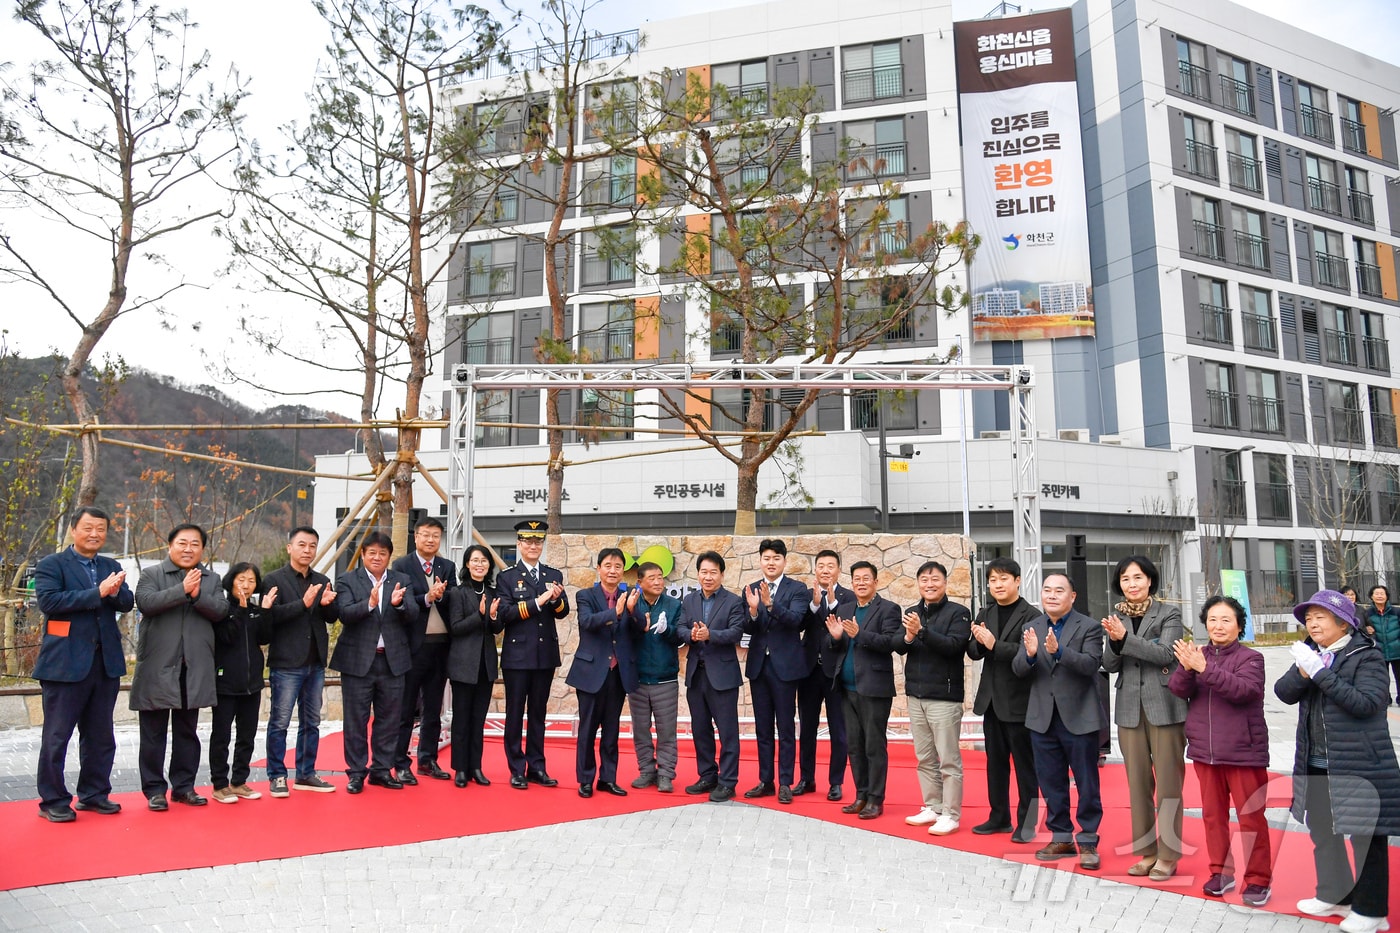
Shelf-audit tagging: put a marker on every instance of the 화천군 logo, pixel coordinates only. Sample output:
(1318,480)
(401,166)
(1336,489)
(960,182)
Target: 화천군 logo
(1011,240)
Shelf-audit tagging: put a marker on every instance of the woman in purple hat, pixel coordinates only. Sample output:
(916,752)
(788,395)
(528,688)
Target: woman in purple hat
(1345,778)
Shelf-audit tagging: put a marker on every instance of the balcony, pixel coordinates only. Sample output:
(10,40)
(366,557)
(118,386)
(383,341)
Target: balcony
(1244,172)
(726,339)
(874,83)
(1229,500)
(1332,271)
(1210,240)
(1215,324)
(878,161)
(1362,209)
(1376,352)
(1277,591)
(1195,81)
(1348,426)
(1274,501)
(491,281)
(1390,514)
(746,100)
(1353,136)
(1266,414)
(607,346)
(1259,332)
(1383,430)
(503,137)
(1252,250)
(1341,347)
(1236,95)
(1324,196)
(1224,409)
(886,238)
(497,350)
(609,191)
(604,270)
(1315,123)
(1368,279)
(1201,160)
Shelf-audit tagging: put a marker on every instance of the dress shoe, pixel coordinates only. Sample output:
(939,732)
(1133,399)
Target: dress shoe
(585,790)
(803,787)
(611,787)
(835,793)
(762,789)
(157,802)
(855,806)
(356,785)
(480,777)
(721,793)
(990,829)
(460,779)
(105,807)
(1089,858)
(644,780)
(431,769)
(663,784)
(518,782)
(538,776)
(190,799)
(405,776)
(701,786)
(1056,850)
(1162,870)
(58,813)
(784,794)
(1142,866)
(386,780)
(1024,835)
(871,810)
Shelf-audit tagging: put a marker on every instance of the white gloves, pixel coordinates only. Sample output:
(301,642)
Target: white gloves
(1308,660)
(659,625)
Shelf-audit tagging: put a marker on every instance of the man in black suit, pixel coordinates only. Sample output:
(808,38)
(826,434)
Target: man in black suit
(532,603)
(80,665)
(861,642)
(777,607)
(712,624)
(430,576)
(819,686)
(372,656)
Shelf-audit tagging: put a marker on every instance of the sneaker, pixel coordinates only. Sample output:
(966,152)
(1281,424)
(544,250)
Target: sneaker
(314,784)
(663,784)
(644,780)
(1217,885)
(1255,895)
(945,825)
(277,787)
(224,795)
(923,818)
(1315,907)
(1360,923)
(246,792)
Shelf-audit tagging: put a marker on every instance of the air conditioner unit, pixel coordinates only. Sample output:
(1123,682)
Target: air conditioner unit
(1112,440)
(1074,434)
(995,435)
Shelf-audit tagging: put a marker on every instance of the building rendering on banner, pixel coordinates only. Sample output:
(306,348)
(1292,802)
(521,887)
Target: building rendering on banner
(1189,218)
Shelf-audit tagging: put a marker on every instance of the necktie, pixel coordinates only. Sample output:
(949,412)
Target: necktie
(534,575)
(428,569)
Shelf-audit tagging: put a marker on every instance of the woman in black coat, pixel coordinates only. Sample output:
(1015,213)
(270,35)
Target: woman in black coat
(238,681)
(471,662)
(1345,778)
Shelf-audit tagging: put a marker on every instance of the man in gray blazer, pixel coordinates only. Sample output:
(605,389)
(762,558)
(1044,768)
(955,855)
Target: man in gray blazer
(1061,652)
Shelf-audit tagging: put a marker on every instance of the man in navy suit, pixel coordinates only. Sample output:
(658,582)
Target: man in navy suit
(1061,652)
(819,686)
(532,604)
(80,666)
(604,670)
(430,577)
(777,607)
(372,656)
(712,625)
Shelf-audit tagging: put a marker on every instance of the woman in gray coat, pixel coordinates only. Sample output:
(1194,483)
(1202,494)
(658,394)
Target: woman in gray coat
(1150,717)
(1345,778)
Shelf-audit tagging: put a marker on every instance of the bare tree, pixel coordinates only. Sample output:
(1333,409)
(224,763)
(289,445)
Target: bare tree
(109,137)
(1334,496)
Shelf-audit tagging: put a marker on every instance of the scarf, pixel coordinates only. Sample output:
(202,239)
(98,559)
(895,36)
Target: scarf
(1135,610)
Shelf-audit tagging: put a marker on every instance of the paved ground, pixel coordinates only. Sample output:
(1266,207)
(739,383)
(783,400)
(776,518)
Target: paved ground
(711,867)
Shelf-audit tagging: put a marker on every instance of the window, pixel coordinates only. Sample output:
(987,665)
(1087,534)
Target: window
(875,149)
(1356,496)
(1331,263)
(1220,394)
(740,90)
(1229,487)
(1235,91)
(608,255)
(872,72)
(1272,495)
(610,110)
(1200,148)
(489,339)
(1359,196)
(1257,319)
(752,238)
(1337,333)
(1242,159)
(1314,119)
(730,408)
(1265,401)
(753,162)
(606,331)
(610,182)
(608,413)
(1195,76)
(1251,244)
(492,407)
(871,406)
(1278,589)
(726,331)
(1389,497)
(504,126)
(1344,413)
(1382,417)
(1353,130)
(1324,194)
(880,311)
(1368,270)
(1215,312)
(1210,237)
(889,235)
(1375,352)
(490,269)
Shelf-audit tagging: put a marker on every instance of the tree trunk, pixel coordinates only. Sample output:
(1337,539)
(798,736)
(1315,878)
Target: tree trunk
(554,507)
(746,488)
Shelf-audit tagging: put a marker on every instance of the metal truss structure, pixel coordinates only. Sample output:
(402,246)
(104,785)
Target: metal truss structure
(1017,381)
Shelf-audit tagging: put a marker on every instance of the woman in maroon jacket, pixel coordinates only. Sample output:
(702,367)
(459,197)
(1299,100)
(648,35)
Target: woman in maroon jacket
(1228,741)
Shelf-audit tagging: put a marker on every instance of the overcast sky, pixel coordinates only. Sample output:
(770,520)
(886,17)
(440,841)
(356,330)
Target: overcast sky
(277,44)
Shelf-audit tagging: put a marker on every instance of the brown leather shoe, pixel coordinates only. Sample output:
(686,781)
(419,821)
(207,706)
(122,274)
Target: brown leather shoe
(855,806)
(1056,850)
(1139,869)
(1089,857)
(872,810)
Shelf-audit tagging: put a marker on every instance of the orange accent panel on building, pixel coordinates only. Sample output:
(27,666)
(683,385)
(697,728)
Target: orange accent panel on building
(646,339)
(1371,121)
(697,235)
(1385,262)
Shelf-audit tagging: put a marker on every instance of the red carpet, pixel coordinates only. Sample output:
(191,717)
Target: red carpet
(309,824)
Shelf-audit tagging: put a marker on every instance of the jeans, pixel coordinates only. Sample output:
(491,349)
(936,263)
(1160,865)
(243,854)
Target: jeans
(302,686)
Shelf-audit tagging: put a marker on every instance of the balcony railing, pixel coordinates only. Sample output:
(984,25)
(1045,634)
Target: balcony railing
(1353,136)
(1230,500)
(1259,333)
(726,338)
(1252,250)
(886,238)
(1368,279)
(1201,160)
(1236,95)
(1224,409)
(496,350)
(486,281)
(1210,240)
(878,161)
(1315,123)
(1363,211)
(1274,501)
(604,270)
(609,191)
(1390,514)
(1348,426)
(1277,590)
(1215,324)
(1195,81)
(874,83)
(750,99)
(1324,196)
(1332,271)
(1341,347)
(1383,430)
(607,346)
(1266,414)
(1244,172)
(1376,351)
